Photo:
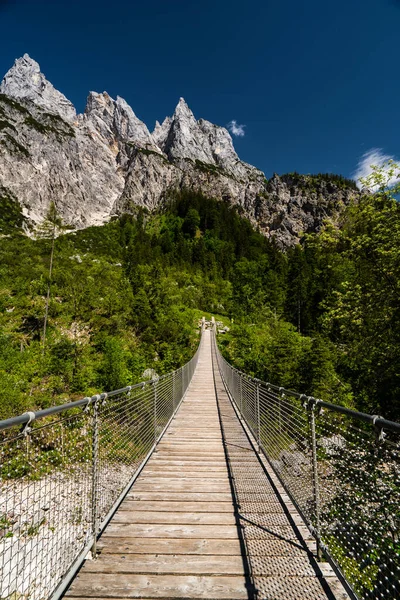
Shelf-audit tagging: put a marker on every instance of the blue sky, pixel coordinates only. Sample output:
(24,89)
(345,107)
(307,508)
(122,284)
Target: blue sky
(315,83)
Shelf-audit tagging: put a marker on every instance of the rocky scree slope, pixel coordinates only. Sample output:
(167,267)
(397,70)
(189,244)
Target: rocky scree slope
(106,162)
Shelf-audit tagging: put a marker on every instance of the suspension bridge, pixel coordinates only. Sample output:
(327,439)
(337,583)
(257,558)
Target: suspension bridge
(203,483)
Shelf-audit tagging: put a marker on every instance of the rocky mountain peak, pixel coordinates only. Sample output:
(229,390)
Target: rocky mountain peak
(128,125)
(185,138)
(115,120)
(26,81)
(182,110)
(100,104)
(160,132)
(182,136)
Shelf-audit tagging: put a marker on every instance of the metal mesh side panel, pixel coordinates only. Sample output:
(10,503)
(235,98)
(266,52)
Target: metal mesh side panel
(341,473)
(45,504)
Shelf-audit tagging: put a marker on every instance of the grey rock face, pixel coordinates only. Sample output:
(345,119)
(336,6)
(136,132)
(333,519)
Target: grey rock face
(114,120)
(223,153)
(43,158)
(160,132)
(185,138)
(149,177)
(25,81)
(291,206)
(106,162)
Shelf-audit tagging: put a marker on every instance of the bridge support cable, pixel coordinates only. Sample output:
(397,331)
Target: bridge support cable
(341,470)
(65,470)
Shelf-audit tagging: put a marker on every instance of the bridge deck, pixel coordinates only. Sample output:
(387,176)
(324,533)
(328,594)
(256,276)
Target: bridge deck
(179,532)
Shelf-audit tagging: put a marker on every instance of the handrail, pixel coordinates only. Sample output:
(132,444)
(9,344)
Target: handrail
(344,479)
(376,420)
(28,417)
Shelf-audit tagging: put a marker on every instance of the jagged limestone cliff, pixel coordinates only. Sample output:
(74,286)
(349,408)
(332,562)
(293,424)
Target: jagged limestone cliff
(106,162)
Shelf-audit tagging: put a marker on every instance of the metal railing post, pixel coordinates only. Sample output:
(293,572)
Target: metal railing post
(280,396)
(258,416)
(315,479)
(95,473)
(155,410)
(173,394)
(241,394)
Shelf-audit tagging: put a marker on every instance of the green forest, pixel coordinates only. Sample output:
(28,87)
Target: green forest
(322,318)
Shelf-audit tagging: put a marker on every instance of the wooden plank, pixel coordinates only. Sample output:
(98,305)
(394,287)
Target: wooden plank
(203,477)
(182,461)
(177,506)
(210,443)
(185,423)
(223,532)
(125,515)
(187,434)
(154,467)
(92,585)
(162,464)
(171,496)
(183,446)
(174,546)
(201,455)
(175,479)
(195,485)
(166,563)
(215,440)
(185,474)
(200,448)
(176,465)
(207,440)
(200,419)
(206,433)
(174,451)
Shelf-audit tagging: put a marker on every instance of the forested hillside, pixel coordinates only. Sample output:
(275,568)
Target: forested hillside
(322,318)
(340,290)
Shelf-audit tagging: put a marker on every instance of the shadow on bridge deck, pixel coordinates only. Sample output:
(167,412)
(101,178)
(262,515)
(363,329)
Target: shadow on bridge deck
(205,519)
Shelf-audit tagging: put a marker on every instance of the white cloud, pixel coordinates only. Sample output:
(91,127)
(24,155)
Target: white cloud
(374,157)
(236,129)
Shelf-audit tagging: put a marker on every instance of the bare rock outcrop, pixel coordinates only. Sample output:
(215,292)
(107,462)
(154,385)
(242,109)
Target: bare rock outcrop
(26,82)
(44,158)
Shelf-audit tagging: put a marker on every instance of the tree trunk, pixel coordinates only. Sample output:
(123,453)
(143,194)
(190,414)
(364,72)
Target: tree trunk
(46,311)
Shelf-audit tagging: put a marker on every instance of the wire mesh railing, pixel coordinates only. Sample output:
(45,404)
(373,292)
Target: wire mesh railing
(341,469)
(63,473)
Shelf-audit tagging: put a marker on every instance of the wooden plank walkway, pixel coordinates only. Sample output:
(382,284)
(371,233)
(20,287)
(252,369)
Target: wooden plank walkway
(177,534)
